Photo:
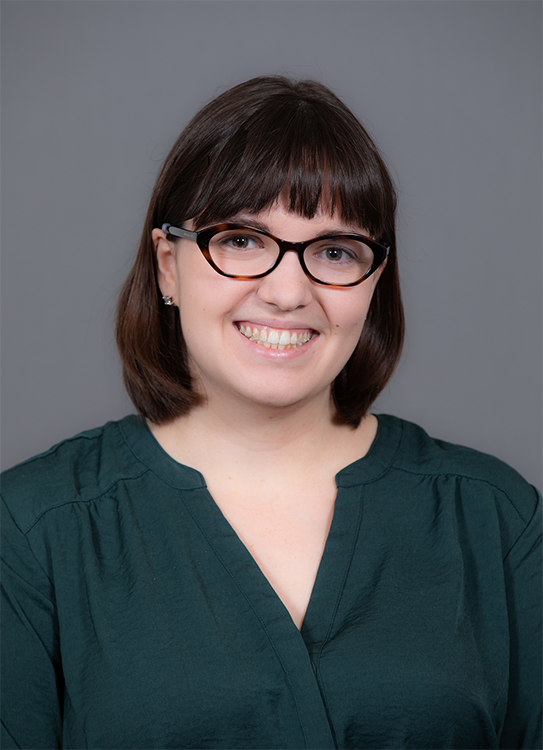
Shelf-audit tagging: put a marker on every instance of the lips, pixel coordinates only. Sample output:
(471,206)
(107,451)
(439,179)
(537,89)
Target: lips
(275,338)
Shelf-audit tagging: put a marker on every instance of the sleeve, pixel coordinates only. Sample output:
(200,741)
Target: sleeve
(522,566)
(31,675)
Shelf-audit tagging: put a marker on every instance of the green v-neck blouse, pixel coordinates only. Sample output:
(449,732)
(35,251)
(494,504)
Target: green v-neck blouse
(134,617)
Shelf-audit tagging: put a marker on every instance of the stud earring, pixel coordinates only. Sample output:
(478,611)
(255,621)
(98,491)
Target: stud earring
(168,301)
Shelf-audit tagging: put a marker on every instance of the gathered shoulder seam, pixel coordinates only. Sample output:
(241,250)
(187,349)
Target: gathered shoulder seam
(459,475)
(74,500)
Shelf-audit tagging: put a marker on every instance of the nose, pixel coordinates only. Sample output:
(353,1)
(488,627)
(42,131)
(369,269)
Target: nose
(287,287)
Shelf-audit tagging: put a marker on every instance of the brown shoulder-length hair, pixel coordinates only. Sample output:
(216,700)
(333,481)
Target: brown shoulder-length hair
(240,153)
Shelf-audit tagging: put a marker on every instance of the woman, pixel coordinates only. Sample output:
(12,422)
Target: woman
(256,561)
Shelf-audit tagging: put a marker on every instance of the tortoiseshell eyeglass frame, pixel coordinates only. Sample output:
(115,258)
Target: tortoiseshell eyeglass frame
(203,238)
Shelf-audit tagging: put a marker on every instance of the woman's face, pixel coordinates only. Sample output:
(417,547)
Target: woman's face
(221,317)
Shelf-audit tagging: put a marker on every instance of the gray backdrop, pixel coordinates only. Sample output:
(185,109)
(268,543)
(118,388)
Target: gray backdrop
(93,95)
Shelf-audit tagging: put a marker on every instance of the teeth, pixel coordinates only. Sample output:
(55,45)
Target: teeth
(274,339)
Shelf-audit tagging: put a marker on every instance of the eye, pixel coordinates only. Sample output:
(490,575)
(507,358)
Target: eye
(338,259)
(237,241)
(336,253)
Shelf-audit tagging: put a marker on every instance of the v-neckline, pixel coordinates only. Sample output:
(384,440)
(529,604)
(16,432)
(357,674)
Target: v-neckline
(341,539)
(242,566)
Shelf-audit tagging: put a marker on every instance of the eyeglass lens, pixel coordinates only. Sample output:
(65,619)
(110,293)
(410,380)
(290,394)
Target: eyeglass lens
(337,260)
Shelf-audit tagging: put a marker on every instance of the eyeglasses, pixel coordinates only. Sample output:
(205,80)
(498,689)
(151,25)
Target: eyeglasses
(240,252)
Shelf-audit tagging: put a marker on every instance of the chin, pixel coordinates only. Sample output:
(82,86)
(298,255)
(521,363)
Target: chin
(274,399)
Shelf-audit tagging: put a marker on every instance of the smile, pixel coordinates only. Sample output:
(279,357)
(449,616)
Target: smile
(274,338)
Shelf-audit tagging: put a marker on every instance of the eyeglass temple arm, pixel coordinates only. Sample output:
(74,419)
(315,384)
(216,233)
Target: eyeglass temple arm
(177,232)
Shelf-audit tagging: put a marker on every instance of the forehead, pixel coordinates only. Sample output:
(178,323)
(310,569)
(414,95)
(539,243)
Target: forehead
(278,220)
(279,216)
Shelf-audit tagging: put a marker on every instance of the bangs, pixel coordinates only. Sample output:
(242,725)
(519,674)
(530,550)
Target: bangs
(314,157)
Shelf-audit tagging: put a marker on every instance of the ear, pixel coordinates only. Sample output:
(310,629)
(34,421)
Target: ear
(166,268)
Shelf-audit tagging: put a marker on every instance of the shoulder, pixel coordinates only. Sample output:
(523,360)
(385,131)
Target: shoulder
(474,475)
(79,469)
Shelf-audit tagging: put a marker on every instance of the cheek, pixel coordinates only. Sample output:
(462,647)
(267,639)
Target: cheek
(205,302)
(349,313)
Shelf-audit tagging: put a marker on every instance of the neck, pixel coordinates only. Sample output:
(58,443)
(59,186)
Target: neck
(258,439)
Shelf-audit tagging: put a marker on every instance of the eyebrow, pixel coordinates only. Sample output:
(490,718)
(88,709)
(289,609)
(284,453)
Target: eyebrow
(253,223)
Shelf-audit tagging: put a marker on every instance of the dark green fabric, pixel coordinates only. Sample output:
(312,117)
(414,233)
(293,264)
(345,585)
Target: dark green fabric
(134,617)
